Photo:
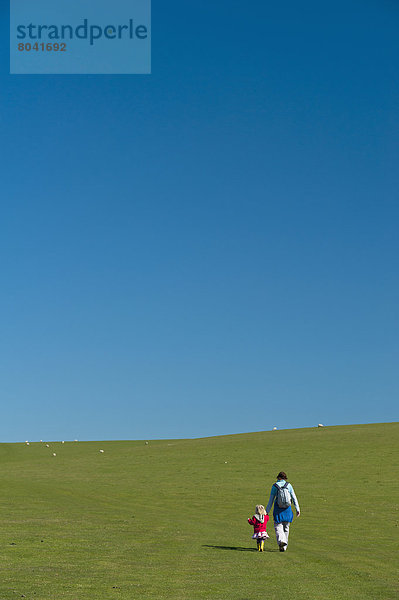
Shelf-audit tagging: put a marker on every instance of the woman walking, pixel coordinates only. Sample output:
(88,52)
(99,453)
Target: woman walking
(282,493)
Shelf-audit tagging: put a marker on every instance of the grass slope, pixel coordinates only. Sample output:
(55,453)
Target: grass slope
(168,519)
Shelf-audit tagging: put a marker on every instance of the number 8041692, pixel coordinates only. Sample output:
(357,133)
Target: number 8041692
(42,47)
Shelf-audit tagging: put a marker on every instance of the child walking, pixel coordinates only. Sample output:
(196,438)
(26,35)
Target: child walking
(259,522)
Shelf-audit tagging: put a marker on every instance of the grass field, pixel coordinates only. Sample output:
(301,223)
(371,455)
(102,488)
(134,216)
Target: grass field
(168,519)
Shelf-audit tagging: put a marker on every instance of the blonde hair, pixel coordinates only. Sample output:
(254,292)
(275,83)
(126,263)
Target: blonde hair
(260,509)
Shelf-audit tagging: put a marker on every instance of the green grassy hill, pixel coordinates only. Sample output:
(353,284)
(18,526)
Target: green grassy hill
(168,519)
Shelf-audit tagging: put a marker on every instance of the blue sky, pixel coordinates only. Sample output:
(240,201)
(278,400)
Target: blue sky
(212,248)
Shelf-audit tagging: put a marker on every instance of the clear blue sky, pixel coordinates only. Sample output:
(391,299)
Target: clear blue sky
(212,248)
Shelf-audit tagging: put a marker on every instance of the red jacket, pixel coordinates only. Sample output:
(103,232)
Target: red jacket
(258,526)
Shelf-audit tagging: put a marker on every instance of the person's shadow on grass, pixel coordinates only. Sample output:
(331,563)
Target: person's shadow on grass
(238,548)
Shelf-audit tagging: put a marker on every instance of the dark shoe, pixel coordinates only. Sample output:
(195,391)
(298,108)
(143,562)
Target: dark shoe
(283,547)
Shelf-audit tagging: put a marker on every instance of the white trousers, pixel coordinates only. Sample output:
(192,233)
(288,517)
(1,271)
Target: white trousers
(282,532)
